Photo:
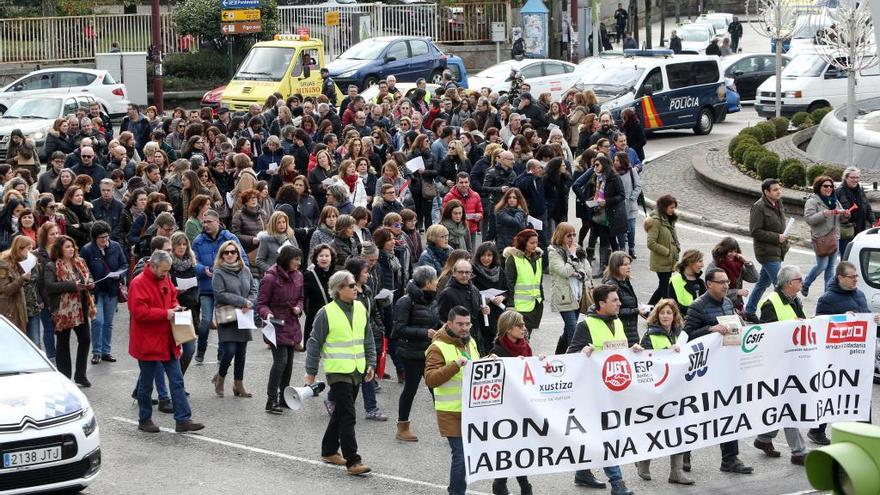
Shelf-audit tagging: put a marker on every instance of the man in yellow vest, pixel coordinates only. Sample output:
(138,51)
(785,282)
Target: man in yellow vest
(450,351)
(782,305)
(601,330)
(341,337)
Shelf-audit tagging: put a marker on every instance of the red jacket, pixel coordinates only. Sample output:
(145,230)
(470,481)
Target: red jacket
(472,204)
(149,300)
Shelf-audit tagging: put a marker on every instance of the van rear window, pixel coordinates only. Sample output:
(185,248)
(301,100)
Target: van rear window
(686,74)
(869,261)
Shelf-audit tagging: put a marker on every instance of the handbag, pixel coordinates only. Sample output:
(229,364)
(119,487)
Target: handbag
(225,314)
(825,245)
(847,231)
(429,189)
(586,298)
(122,293)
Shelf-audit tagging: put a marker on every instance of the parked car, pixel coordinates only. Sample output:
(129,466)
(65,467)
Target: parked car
(407,89)
(35,116)
(49,438)
(718,20)
(803,36)
(733,100)
(407,57)
(544,75)
(112,96)
(746,71)
(695,37)
(864,252)
(212,98)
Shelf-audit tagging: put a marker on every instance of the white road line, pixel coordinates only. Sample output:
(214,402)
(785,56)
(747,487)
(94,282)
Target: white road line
(289,457)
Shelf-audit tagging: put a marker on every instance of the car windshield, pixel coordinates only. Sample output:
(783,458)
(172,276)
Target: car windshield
(265,63)
(694,34)
(807,27)
(18,355)
(497,70)
(804,65)
(42,108)
(719,22)
(365,50)
(622,76)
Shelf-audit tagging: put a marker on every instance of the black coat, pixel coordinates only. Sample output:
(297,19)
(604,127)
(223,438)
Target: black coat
(468,296)
(615,205)
(629,308)
(414,314)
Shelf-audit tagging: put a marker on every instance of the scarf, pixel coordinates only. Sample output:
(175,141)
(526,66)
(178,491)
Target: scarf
(491,274)
(232,267)
(732,268)
(516,349)
(441,254)
(393,262)
(829,201)
(70,312)
(79,211)
(350,181)
(181,264)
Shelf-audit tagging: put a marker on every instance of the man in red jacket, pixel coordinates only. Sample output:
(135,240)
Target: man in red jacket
(152,301)
(470,199)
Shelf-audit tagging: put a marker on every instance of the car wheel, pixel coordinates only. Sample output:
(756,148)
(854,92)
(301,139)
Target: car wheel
(437,77)
(817,105)
(705,121)
(2,109)
(370,81)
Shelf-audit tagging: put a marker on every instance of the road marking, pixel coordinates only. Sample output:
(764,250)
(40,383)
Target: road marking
(289,457)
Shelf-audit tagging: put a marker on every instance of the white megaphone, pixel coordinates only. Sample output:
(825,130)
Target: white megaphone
(294,396)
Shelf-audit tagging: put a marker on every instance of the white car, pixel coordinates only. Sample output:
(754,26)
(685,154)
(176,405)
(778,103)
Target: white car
(407,89)
(49,438)
(718,20)
(864,252)
(695,37)
(112,96)
(34,116)
(543,75)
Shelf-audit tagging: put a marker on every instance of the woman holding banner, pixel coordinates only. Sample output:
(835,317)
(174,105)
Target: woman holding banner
(664,325)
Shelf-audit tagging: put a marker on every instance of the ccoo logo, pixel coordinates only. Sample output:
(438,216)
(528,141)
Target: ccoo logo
(699,362)
(803,336)
(616,373)
(852,331)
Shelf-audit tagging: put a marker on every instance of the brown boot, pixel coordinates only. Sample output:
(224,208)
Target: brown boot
(218,382)
(403,432)
(238,389)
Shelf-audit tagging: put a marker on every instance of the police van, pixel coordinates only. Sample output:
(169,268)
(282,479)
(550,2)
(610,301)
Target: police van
(666,91)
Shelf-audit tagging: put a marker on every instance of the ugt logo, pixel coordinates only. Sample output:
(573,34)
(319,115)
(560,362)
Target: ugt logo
(699,362)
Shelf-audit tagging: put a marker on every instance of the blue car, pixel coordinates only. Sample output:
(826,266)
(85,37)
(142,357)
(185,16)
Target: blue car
(733,98)
(408,58)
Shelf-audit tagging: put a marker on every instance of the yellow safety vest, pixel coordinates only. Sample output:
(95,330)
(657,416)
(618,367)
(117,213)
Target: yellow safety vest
(343,350)
(783,311)
(447,397)
(527,290)
(600,333)
(660,341)
(682,295)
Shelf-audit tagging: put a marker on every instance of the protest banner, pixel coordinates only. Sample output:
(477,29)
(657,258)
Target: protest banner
(569,412)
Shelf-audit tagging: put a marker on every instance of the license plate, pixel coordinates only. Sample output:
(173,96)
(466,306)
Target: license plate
(29,457)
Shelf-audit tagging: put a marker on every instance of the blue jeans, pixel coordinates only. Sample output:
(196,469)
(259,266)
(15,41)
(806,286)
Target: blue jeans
(149,370)
(570,320)
(457,483)
(48,333)
(102,325)
(628,237)
(207,308)
(823,264)
(612,472)
(369,392)
(230,351)
(767,278)
(33,329)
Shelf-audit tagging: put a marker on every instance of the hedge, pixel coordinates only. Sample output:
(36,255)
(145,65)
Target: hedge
(741,149)
(793,174)
(751,158)
(753,132)
(835,172)
(815,171)
(799,118)
(204,64)
(768,166)
(819,114)
(768,131)
(781,125)
(740,139)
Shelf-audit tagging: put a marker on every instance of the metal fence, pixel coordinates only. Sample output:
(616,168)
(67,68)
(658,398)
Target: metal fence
(57,39)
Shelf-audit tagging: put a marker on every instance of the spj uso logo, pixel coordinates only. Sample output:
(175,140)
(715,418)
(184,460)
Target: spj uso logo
(616,373)
(699,362)
(487,384)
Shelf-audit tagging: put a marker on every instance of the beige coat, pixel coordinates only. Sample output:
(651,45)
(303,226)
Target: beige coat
(561,270)
(12,302)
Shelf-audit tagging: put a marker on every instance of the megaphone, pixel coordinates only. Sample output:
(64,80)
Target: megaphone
(294,396)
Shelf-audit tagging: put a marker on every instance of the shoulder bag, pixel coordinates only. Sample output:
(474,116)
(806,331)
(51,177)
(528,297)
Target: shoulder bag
(825,245)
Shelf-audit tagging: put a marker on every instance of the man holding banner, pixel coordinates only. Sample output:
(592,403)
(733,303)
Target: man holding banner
(702,319)
(601,330)
(782,305)
(451,350)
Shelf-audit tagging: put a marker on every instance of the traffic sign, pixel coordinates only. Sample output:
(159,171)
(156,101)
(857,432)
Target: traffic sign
(248,27)
(331,18)
(239,4)
(240,15)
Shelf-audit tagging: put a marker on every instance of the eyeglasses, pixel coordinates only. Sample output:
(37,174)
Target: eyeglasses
(226,253)
(87,156)
(351,285)
(52,207)
(829,186)
(397,225)
(571,235)
(851,277)
(722,282)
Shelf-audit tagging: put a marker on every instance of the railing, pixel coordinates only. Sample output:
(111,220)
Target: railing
(57,39)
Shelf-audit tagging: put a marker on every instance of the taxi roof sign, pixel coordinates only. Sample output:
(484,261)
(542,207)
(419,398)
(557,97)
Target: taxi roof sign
(291,37)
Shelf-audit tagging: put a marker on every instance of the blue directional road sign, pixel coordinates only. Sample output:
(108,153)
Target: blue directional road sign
(240,4)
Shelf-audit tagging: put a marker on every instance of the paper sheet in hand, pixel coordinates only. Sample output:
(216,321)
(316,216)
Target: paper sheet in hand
(329,181)
(286,243)
(28,263)
(537,224)
(273,167)
(472,216)
(245,319)
(230,199)
(416,164)
(269,333)
(183,318)
(788,227)
(184,284)
(734,329)
(592,204)
(384,294)
(491,293)
(116,274)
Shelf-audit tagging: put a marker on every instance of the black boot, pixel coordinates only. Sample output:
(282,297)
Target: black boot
(499,487)
(686,462)
(525,488)
(272,406)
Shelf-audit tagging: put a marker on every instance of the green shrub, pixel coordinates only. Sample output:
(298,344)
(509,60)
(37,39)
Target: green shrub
(768,166)
(781,126)
(200,65)
(740,139)
(819,114)
(807,123)
(768,132)
(793,174)
(799,118)
(814,171)
(835,172)
(741,149)
(753,132)
(751,158)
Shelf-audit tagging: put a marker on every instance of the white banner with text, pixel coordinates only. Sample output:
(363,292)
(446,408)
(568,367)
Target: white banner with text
(568,412)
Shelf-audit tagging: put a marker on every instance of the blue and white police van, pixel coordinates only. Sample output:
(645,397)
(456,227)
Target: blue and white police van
(666,91)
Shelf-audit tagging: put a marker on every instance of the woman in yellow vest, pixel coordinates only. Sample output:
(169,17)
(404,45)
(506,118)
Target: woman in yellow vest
(687,284)
(523,267)
(664,325)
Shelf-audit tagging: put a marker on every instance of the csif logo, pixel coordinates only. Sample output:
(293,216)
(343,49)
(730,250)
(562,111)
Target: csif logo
(699,362)
(847,331)
(616,373)
(752,338)
(803,336)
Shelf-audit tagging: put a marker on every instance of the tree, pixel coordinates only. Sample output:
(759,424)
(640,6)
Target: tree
(848,45)
(774,19)
(202,18)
